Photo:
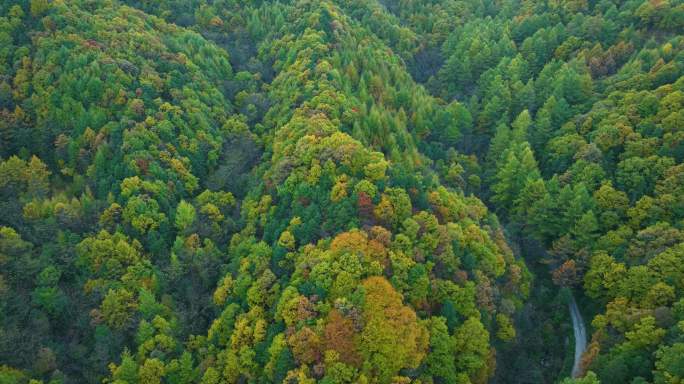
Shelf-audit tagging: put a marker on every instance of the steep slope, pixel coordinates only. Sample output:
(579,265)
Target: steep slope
(577,123)
(348,261)
(255,191)
(334,223)
(109,119)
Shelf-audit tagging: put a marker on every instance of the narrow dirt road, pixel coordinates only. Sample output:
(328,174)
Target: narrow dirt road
(580,335)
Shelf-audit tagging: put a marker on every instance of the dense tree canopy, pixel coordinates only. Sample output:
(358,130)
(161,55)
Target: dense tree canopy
(340,191)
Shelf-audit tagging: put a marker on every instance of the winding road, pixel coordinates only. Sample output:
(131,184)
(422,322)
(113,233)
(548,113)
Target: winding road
(580,335)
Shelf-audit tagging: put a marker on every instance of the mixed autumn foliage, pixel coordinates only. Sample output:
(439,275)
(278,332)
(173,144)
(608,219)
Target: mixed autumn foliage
(348,191)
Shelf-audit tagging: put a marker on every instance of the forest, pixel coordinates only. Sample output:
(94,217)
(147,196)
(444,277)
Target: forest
(341,191)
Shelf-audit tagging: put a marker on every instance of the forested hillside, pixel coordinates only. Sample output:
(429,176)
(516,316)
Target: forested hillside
(341,191)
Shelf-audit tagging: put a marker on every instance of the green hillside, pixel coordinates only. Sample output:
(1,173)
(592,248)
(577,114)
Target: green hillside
(341,191)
